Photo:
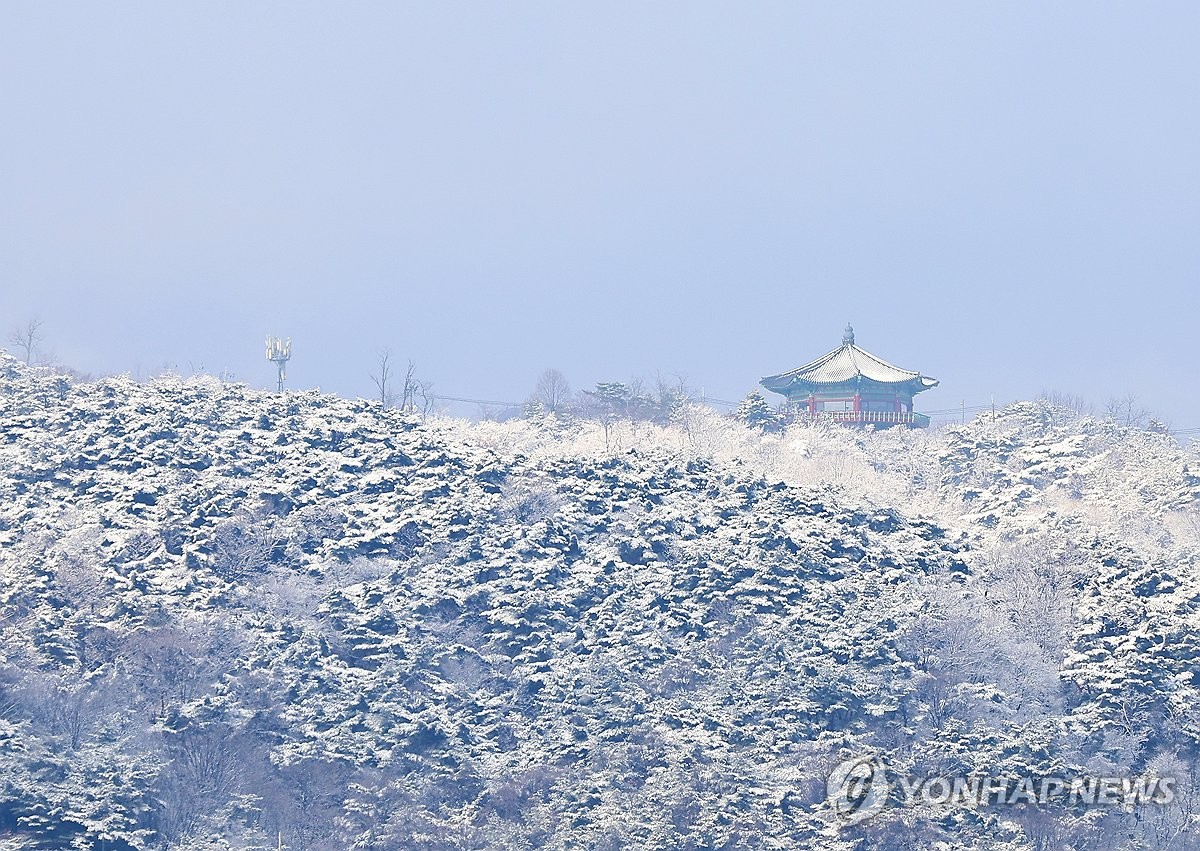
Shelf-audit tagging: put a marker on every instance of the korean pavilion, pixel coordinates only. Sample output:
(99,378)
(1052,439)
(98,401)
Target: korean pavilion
(852,386)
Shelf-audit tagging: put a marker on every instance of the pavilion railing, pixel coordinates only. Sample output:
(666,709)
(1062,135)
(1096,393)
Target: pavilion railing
(867,417)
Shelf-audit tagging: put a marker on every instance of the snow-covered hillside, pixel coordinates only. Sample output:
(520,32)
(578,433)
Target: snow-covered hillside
(233,619)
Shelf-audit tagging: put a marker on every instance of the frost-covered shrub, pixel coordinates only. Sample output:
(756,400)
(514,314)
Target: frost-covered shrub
(528,502)
(246,545)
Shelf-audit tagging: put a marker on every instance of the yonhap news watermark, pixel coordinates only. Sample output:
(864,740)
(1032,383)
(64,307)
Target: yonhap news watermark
(862,787)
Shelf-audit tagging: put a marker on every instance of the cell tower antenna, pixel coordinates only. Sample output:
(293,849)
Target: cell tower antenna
(279,352)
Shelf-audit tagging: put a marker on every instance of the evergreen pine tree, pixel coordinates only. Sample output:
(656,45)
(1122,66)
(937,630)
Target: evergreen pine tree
(756,412)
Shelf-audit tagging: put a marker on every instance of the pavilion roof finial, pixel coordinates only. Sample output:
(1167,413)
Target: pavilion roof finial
(848,335)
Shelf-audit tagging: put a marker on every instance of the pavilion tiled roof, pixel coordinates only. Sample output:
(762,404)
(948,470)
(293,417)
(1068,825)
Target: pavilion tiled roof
(848,363)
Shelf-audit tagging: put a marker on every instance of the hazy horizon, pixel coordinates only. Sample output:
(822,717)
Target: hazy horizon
(1001,197)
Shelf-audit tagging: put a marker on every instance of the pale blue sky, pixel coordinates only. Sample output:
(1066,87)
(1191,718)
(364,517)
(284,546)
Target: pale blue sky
(1004,196)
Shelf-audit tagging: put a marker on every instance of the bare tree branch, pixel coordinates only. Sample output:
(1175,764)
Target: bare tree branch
(408,401)
(382,378)
(27,338)
(552,392)
(1126,410)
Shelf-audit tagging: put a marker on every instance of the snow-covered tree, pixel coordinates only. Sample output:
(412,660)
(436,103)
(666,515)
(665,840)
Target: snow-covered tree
(756,412)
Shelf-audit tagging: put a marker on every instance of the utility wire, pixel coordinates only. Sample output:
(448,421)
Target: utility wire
(476,401)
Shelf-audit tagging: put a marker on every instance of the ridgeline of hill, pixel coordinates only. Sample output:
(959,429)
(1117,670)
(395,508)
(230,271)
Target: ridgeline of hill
(233,619)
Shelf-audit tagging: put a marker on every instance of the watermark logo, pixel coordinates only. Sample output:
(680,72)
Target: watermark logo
(857,789)
(860,788)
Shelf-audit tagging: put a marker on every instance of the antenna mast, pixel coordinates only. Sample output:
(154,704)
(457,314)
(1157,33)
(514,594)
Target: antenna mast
(279,352)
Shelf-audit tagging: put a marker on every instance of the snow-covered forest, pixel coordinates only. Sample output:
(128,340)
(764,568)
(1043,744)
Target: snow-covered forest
(234,619)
